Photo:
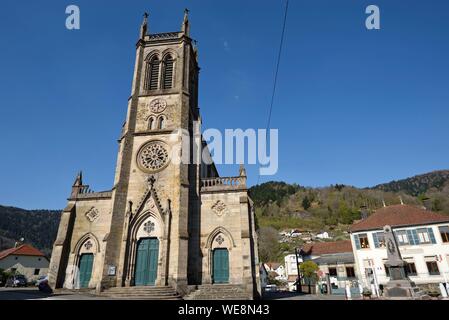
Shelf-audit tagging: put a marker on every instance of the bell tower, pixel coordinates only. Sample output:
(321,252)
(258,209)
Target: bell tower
(162,106)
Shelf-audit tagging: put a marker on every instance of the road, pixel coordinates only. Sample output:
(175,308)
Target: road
(32,293)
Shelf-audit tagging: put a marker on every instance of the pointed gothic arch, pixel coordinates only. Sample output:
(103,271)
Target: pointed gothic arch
(215,233)
(153,70)
(83,239)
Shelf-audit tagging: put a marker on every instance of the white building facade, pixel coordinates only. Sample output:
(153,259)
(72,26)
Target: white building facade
(423,240)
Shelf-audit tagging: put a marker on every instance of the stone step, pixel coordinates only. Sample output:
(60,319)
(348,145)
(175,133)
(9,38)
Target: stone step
(140,293)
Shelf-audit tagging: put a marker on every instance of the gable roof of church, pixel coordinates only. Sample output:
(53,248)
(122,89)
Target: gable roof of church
(22,250)
(398,216)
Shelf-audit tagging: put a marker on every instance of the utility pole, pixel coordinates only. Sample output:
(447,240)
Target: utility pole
(298,281)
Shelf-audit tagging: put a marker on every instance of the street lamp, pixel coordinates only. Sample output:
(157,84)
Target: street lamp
(298,280)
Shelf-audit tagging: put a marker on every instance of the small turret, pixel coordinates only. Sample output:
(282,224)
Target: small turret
(144,27)
(185,23)
(77,185)
(242,171)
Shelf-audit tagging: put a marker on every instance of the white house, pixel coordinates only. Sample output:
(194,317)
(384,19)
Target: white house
(25,260)
(291,270)
(323,235)
(423,239)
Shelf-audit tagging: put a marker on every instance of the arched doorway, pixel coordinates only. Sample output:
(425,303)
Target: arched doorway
(86,263)
(147,257)
(220,268)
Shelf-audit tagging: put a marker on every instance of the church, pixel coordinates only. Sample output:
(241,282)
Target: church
(163,224)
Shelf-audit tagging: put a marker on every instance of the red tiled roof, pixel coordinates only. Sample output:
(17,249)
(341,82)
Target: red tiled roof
(398,216)
(22,250)
(319,248)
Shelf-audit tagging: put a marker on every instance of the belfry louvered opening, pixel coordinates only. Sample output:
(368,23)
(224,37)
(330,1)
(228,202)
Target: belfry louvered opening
(153,78)
(168,72)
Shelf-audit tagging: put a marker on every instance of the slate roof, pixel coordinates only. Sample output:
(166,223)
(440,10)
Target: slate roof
(399,216)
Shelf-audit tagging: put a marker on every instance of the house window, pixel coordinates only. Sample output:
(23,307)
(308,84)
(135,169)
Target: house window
(379,239)
(37,271)
(168,72)
(333,272)
(402,237)
(410,268)
(423,236)
(350,272)
(444,232)
(432,267)
(361,241)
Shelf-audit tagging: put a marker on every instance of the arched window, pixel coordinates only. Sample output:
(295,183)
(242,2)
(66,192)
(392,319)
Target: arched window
(168,72)
(153,68)
(161,124)
(151,123)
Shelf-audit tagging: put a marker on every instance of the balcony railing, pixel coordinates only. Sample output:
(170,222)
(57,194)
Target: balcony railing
(223,184)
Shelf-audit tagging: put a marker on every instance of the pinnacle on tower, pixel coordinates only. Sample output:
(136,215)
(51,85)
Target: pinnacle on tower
(79,180)
(144,26)
(185,23)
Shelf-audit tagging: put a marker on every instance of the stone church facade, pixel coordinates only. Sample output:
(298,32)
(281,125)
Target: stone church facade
(163,223)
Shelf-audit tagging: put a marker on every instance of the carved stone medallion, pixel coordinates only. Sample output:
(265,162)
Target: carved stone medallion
(220,208)
(92,214)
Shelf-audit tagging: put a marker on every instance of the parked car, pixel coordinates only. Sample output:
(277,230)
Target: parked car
(16,281)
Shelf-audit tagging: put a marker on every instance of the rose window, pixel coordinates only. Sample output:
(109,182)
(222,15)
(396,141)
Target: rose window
(153,156)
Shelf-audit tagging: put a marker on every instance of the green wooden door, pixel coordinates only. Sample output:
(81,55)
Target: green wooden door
(221,266)
(85,266)
(146,262)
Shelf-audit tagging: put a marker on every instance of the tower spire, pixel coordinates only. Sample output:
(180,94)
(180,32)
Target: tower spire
(185,23)
(144,26)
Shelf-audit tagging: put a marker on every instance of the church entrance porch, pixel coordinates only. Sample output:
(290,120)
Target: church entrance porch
(146,262)
(85,269)
(220,273)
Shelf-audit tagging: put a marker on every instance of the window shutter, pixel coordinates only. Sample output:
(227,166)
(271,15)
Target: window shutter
(431,235)
(154,75)
(168,73)
(357,242)
(376,240)
(415,236)
(411,238)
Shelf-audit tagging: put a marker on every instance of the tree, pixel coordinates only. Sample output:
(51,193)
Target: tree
(309,270)
(306,203)
(268,244)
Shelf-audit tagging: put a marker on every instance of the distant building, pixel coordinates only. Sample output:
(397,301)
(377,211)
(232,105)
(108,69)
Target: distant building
(423,239)
(277,268)
(291,270)
(26,260)
(323,235)
(336,263)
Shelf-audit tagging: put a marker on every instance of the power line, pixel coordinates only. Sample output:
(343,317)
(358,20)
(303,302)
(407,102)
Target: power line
(276,74)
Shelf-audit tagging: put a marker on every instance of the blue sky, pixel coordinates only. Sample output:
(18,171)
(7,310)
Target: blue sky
(353,106)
